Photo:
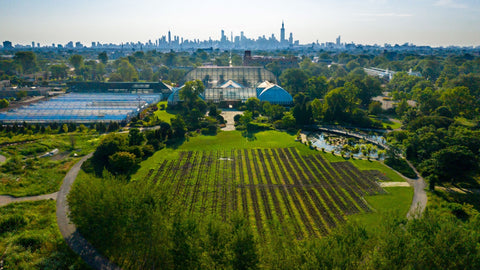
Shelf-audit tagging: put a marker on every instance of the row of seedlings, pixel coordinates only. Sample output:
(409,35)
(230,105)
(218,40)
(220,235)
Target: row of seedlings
(311,201)
(330,205)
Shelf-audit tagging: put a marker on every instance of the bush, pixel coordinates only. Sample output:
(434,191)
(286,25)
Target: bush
(30,241)
(122,163)
(12,223)
(401,166)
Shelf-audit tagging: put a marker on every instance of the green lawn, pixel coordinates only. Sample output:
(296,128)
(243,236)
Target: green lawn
(165,115)
(397,201)
(30,239)
(398,198)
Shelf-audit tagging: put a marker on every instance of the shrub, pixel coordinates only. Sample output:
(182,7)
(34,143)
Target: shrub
(12,223)
(122,163)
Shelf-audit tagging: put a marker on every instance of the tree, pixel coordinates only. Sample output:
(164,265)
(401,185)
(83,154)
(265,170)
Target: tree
(459,101)
(121,163)
(103,57)
(302,111)
(4,103)
(317,87)
(27,60)
(243,244)
(375,108)
(76,61)
(453,163)
(190,92)
(59,71)
(253,104)
(135,137)
(109,145)
(127,72)
(178,126)
(294,80)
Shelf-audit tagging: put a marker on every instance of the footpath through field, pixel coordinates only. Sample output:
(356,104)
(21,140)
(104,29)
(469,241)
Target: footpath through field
(6,199)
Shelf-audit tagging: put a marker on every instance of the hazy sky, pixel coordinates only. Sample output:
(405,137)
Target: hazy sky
(422,22)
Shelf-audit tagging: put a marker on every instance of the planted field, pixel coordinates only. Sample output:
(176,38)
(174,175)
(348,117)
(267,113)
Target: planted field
(306,194)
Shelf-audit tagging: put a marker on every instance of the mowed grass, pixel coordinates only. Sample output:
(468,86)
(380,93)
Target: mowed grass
(30,238)
(396,202)
(166,114)
(398,199)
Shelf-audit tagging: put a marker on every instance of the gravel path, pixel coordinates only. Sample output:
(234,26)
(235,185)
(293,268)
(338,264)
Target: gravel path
(394,184)
(69,231)
(7,199)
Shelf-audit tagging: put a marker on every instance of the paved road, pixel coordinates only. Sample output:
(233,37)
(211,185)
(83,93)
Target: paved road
(419,202)
(6,199)
(69,231)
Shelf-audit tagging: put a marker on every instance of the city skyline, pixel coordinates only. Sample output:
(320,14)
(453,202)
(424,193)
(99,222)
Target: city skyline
(426,22)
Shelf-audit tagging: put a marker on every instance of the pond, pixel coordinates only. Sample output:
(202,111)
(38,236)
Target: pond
(348,146)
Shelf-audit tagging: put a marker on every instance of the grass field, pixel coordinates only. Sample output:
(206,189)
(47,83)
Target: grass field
(31,174)
(166,114)
(272,180)
(30,239)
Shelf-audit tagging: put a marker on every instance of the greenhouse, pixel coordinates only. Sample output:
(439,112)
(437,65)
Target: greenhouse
(215,76)
(82,108)
(275,95)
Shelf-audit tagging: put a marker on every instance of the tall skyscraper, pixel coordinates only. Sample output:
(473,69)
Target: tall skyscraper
(290,40)
(282,34)
(338,41)
(169,37)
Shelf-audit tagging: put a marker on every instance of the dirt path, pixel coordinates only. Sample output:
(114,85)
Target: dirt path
(2,159)
(69,231)
(7,199)
(395,184)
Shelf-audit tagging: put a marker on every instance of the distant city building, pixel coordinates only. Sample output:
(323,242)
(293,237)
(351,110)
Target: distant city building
(7,45)
(282,33)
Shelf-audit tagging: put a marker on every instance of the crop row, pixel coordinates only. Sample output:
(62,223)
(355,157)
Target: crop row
(307,195)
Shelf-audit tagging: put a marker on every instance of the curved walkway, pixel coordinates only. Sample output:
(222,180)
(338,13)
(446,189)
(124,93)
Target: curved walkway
(7,199)
(69,231)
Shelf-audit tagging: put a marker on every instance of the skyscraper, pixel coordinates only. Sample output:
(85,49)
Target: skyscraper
(338,41)
(282,34)
(169,37)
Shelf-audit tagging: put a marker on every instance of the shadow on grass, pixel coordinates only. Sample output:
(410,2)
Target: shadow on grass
(250,135)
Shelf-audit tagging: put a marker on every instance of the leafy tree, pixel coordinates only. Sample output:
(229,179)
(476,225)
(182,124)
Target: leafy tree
(190,92)
(135,137)
(27,60)
(4,103)
(453,163)
(294,80)
(302,111)
(244,247)
(375,108)
(178,126)
(317,87)
(459,101)
(127,72)
(121,162)
(76,61)
(103,57)
(59,71)
(253,104)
